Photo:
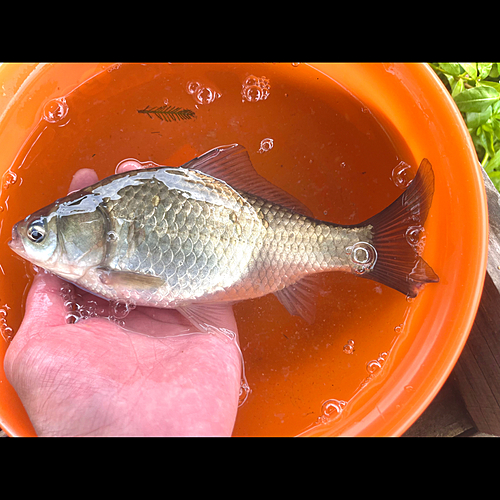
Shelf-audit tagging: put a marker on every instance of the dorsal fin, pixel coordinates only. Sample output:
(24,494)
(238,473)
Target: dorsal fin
(232,165)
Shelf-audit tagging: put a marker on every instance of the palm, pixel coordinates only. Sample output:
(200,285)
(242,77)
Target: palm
(96,377)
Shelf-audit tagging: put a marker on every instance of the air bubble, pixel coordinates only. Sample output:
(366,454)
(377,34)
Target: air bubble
(402,175)
(331,409)
(375,365)
(201,94)
(244,392)
(266,145)
(349,347)
(56,110)
(5,330)
(363,256)
(192,87)
(111,236)
(73,317)
(9,179)
(120,310)
(206,95)
(255,88)
(415,236)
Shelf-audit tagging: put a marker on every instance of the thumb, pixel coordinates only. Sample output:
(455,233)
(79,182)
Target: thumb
(45,303)
(44,308)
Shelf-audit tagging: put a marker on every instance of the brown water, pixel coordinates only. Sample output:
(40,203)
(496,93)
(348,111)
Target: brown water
(304,133)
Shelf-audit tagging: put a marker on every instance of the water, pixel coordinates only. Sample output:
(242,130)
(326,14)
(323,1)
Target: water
(321,146)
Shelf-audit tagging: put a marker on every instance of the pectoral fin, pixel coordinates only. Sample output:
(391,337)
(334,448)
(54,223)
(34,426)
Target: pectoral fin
(299,299)
(129,280)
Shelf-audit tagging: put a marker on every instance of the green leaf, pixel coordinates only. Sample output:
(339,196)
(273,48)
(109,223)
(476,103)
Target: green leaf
(471,69)
(493,163)
(452,68)
(475,120)
(494,71)
(495,85)
(457,86)
(484,69)
(495,177)
(476,99)
(496,108)
(487,138)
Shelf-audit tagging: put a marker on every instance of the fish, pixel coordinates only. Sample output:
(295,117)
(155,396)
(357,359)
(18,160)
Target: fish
(214,231)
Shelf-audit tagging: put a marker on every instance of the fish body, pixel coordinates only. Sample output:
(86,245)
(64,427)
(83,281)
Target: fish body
(209,232)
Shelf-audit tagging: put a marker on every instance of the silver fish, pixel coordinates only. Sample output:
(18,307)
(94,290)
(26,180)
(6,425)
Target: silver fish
(214,231)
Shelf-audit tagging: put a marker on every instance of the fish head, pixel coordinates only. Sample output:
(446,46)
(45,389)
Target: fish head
(67,238)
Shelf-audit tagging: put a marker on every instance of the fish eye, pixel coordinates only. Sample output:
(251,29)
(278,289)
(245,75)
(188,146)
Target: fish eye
(36,231)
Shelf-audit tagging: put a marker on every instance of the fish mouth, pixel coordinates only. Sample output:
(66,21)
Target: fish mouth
(16,243)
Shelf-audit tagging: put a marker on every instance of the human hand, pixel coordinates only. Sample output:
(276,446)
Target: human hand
(154,376)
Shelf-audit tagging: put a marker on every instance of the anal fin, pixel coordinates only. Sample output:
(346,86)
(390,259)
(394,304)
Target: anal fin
(208,317)
(300,298)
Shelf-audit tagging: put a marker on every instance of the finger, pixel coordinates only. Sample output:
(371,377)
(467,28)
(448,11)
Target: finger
(44,305)
(83,178)
(128,165)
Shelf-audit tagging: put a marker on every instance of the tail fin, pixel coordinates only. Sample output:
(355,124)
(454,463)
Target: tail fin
(398,264)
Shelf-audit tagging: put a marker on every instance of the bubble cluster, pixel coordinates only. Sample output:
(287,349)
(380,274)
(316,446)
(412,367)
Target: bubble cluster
(56,111)
(266,145)
(8,179)
(255,88)
(349,347)
(5,330)
(375,365)
(402,175)
(79,308)
(202,94)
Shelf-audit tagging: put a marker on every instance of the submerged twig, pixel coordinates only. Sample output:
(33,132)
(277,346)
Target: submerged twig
(168,113)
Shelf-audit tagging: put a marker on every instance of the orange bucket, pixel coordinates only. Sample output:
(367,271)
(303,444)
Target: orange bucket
(410,99)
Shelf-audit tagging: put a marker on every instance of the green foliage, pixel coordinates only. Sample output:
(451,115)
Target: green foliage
(475,88)
(168,113)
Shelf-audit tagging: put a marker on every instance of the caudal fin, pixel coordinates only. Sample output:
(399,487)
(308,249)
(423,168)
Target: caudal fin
(398,264)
